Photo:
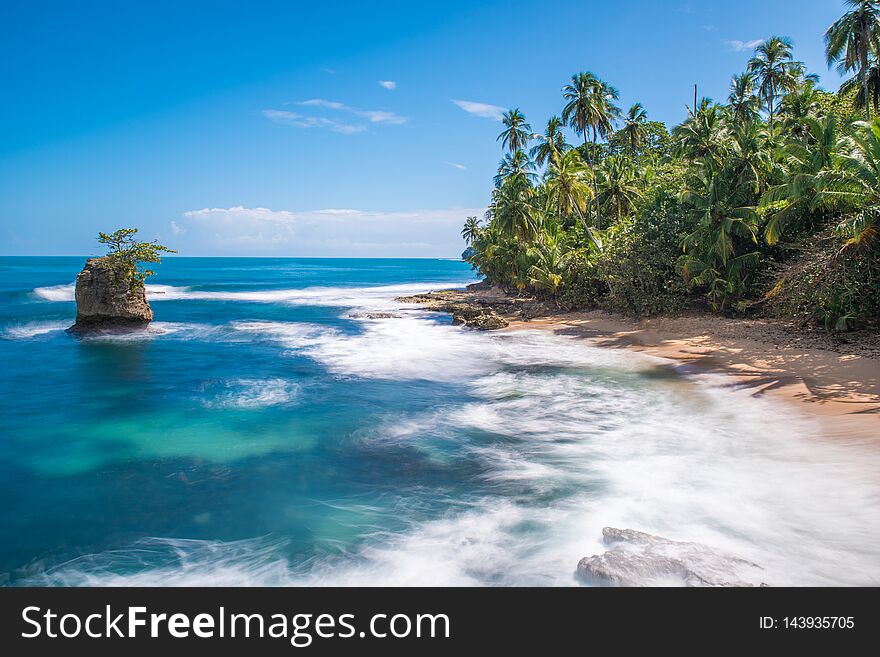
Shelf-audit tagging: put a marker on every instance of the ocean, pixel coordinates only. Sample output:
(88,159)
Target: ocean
(265,431)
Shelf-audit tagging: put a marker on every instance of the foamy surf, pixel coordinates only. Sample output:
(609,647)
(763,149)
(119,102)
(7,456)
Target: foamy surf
(553,439)
(570,438)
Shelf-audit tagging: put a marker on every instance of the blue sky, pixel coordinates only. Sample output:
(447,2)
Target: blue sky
(323,129)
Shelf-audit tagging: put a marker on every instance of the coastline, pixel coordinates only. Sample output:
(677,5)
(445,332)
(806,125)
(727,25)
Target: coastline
(823,376)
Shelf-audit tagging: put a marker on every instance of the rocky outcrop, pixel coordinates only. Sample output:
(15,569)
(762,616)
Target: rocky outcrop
(464,311)
(105,299)
(640,559)
(483,306)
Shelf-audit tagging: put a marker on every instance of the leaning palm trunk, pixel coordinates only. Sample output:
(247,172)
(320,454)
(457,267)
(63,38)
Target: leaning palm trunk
(593,175)
(863,65)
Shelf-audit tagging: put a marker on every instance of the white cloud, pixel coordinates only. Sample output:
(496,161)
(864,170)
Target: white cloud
(240,230)
(456,165)
(338,211)
(390,85)
(742,46)
(283,117)
(176,229)
(373,116)
(480,109)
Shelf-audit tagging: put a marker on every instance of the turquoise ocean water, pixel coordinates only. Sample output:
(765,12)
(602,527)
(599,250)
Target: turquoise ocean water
(264,431)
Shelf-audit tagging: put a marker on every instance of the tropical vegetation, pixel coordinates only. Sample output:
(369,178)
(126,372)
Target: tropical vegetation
(766,203)
(127,254)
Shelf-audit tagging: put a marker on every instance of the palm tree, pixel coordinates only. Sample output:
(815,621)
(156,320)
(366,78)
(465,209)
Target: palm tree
(634,127)
(591,108)
(807,167)
(872,83)
(798,106)
(711,255)
(742,100)
(775,71)
(471,230)
(568,191)
(704,134)
(619,188)
(516,164)
(852,38)
(516,131)
(749,154)
(855,190)
(511,209)
(551,143)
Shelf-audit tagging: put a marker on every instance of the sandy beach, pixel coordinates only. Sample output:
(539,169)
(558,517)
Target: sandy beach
(834,377)
(839,385)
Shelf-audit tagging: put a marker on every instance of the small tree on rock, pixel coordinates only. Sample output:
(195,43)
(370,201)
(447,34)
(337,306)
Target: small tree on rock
(126,255)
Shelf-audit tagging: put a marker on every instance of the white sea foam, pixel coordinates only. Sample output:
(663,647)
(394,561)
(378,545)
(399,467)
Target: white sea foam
(569,438)
(254,393)
(152,331)
(32,330)
(376,297)
(56,292)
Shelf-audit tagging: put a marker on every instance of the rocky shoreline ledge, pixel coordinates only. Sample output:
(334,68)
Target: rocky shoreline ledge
(481,306)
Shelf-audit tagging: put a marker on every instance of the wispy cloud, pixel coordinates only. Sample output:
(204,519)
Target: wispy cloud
(456,165)
(283,117)
(240,230)
(241,212)
(708,28)
(390,85)
(480,109)
(742,46)
(373,116)
(328,70)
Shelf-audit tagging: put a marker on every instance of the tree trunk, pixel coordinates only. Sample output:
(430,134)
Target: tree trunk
(863,73)
(593,170)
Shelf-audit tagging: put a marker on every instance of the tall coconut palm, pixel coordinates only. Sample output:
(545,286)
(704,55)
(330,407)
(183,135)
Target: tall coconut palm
(775,71)
(471,230)
(516,131)
(590,108)
(551,143)
(742,100)
(634,127)
(852,38)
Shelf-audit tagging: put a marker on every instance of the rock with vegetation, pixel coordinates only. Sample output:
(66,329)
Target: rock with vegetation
(110,291)
(104,299)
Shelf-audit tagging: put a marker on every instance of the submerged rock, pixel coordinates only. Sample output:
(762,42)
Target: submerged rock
(106,300)
(640,559)
(373,316)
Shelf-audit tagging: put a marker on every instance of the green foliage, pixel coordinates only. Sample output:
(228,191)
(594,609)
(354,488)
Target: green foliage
(770,201)
(638,263)
(126,255)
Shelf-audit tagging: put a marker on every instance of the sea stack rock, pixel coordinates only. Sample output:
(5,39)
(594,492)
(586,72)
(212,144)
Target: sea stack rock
(108,300)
